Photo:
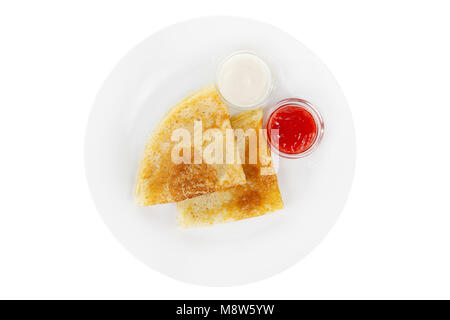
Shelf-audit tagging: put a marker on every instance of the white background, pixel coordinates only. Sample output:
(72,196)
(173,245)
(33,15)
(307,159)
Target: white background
(392,59)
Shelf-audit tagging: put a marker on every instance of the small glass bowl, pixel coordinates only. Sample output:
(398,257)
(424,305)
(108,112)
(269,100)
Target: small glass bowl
(263,101)
(300,103)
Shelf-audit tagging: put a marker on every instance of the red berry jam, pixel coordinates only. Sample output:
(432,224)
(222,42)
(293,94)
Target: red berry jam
(297,129)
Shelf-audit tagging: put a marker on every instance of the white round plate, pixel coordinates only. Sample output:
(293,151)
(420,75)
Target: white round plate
(155,75)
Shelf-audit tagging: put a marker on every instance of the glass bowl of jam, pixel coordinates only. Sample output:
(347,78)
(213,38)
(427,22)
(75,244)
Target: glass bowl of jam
(294,128)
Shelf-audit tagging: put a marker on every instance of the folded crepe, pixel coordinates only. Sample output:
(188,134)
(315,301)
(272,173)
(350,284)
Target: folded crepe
(260,195)
(161,180)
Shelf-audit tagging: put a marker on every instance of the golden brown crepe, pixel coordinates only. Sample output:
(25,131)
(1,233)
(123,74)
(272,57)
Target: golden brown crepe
(160,180)
(260,195)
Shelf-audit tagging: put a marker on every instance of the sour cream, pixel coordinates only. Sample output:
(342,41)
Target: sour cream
(244,80)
